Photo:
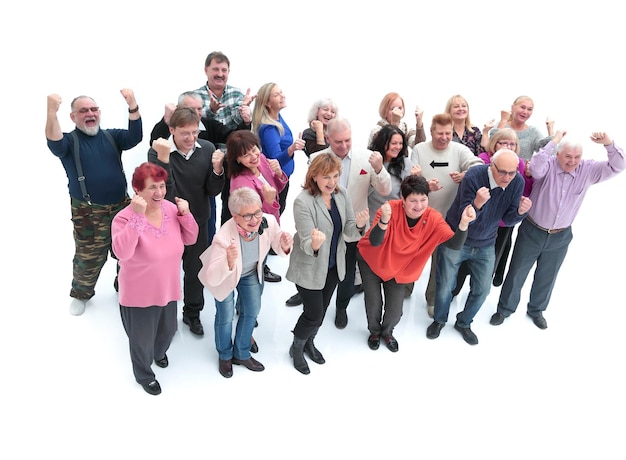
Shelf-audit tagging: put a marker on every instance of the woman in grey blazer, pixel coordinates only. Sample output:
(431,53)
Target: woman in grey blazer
(323,216)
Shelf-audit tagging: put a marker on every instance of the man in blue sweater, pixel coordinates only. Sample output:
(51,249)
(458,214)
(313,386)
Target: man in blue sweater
(495,191)
(92,158)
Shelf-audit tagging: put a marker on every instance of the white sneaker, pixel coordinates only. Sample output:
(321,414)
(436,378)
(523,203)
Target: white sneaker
(431,311)
(77,307)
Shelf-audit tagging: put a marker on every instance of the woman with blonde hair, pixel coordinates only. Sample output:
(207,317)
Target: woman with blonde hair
(530,139)
(463,131)
(277,141)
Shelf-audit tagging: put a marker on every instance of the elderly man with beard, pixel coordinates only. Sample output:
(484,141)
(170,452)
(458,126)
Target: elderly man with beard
(92,158)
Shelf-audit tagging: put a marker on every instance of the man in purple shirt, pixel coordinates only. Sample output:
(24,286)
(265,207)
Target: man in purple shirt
(561,182)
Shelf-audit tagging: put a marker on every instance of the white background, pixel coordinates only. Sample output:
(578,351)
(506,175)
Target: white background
(67,388)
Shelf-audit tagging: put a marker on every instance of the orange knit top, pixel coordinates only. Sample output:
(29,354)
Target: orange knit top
(405,250)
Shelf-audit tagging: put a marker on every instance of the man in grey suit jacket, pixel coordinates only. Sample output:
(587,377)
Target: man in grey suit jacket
(361,170)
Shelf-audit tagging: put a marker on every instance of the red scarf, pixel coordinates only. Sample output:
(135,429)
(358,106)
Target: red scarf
(405,250)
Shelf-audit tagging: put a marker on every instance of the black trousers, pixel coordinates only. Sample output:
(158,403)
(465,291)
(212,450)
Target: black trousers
(193,290)
(315,303)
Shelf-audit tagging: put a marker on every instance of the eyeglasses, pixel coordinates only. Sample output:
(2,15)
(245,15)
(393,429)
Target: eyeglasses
(188,135)
(85,110)
(503,173)
(510,145)
(248,217)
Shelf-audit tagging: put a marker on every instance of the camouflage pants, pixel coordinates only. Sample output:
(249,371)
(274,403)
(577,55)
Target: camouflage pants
(92,239)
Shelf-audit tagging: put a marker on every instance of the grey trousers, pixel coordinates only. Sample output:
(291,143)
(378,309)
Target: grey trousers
(150,332)
(383,315)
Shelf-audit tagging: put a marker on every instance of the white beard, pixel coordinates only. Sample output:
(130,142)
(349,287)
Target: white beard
(90,131)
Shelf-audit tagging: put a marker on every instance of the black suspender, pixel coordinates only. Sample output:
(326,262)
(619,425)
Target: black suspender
(79,167)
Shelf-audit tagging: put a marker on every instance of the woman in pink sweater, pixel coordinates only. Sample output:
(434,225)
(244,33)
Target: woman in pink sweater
(148,237)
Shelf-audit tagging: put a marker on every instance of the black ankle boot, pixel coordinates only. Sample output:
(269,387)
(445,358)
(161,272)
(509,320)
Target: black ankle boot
(297,353)
(312,352)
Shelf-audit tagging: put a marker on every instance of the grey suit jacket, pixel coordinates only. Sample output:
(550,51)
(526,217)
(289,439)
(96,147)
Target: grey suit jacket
(360,178)
(309,212)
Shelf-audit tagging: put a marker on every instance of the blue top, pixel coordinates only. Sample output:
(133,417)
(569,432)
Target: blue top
(275,146)
(501,206)
(101,162)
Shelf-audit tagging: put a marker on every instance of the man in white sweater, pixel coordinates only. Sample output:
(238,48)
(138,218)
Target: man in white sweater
(443,163)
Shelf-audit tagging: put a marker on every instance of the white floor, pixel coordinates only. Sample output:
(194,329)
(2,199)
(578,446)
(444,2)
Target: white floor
(67,389)
(520,392)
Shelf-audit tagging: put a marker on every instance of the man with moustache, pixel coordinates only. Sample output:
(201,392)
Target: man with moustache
(221,101)
(97,184)
(228,105)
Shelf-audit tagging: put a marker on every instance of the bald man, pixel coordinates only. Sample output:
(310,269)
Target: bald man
(495,191)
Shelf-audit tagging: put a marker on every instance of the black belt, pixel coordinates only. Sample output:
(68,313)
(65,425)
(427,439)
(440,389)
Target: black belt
(547,230)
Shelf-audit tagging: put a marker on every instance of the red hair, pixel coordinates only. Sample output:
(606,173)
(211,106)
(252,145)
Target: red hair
(147,170)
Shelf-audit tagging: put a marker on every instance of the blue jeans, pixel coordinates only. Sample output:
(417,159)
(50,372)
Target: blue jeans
(249,302)
(480,262)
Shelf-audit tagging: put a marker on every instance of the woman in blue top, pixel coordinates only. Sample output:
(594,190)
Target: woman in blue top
(277,141)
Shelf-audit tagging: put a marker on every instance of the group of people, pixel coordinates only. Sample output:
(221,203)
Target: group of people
(366,219)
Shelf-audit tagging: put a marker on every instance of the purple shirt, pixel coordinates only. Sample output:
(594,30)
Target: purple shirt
(557,195)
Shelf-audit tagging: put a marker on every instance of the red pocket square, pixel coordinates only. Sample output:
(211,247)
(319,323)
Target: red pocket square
(363,171)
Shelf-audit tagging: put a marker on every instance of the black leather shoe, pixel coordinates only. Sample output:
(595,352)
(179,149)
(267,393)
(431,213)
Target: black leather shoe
(434,329)
(269,276)
(226,368)
(163,362)
(391,343)
(250,363)
(467,334)
(254,348)
(152,388)
(373,341)
(195,326)
(341,318)
(294,300)
(497,318)
(539,321)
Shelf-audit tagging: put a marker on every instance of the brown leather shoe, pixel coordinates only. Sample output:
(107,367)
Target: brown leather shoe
(226,368)
(250,363)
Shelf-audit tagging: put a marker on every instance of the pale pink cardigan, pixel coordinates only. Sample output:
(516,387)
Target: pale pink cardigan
(215,275)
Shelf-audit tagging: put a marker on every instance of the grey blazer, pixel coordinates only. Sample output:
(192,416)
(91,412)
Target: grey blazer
(309,212)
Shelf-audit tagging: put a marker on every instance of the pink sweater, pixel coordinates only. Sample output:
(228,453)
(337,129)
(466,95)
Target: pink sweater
(149,257)
(248,179)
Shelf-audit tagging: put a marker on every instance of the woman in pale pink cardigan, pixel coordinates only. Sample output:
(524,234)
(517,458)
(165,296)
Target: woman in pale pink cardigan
(248,167)
(234,261)
(148,238)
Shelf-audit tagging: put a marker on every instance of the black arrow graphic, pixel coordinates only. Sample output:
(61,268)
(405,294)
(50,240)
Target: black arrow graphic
(434,164)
